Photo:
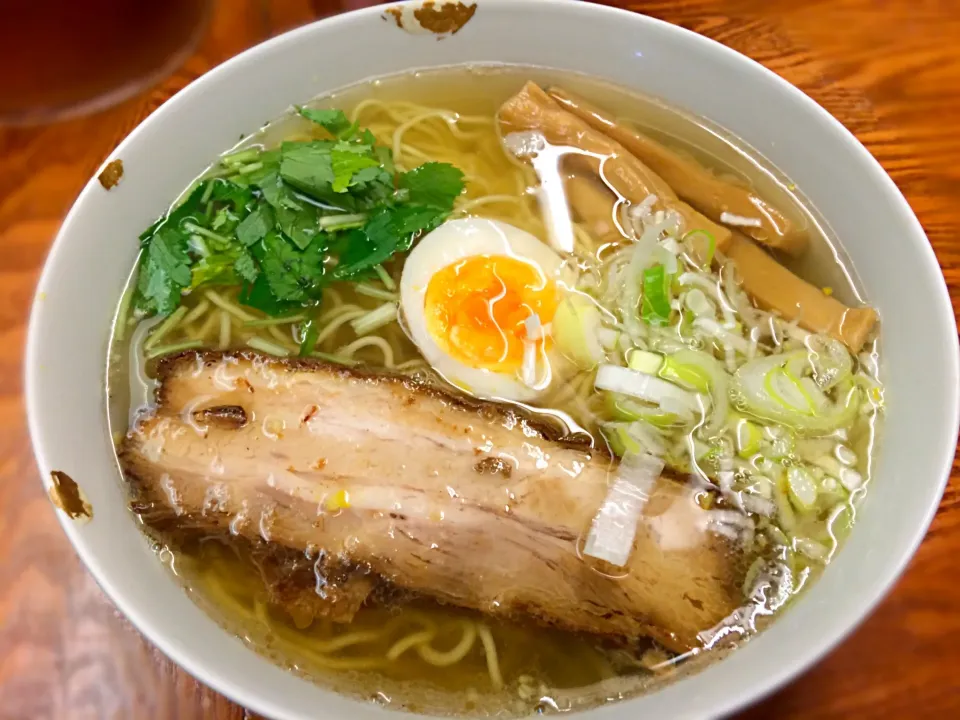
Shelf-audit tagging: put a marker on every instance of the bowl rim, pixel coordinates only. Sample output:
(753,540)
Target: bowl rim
(710,703)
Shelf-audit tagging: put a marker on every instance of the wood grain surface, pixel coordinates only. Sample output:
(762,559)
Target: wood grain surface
(890,71)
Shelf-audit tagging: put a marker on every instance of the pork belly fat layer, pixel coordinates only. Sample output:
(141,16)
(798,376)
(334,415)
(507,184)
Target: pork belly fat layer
(472,503)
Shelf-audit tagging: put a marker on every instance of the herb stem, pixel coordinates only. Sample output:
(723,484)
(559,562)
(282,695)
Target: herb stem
(252,167)
(385,278)
(224,304)
(175,347)
(191,227)
(330,357)
(375,319)
(198,310)
(342,222)
(375,292)
(266,322)
(271,348)
(241,157)
(165,327)
(207,192)
(123,312)
(224,330)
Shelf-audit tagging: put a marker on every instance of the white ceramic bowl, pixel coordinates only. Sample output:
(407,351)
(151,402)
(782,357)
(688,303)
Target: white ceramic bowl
(96,247)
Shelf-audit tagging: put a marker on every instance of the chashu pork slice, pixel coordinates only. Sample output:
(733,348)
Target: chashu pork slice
(472,503)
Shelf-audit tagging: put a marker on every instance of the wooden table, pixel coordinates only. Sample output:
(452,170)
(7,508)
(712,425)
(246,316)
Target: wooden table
(889,70)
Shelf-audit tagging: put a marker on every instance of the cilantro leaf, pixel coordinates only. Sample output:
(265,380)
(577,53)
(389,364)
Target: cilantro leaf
(297,218)
(258,296)
(433,184)
(308,166)
(230,267)
(334,122)
(164,271)
(245,267)
(232,194)
(292,219)
(269,164)
(349,161)
(256,225)
(388,231)
(293,275)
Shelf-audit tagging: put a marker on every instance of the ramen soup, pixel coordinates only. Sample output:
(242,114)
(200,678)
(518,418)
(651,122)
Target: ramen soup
(493,391)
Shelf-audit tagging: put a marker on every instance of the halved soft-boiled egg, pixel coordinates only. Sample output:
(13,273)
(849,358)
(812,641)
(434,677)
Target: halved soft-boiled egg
(478,297)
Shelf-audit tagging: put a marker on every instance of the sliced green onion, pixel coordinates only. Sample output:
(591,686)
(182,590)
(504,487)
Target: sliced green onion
(695,240)
(802,488)
(271,348)
(690,375)
(700,371)
(785,512)
(698,303)
(649,388)
(786,389)
(749,437)
(769,388)
(644,361)
(632,438)
(655,307)
(576,329)
(173,348)
(627,409)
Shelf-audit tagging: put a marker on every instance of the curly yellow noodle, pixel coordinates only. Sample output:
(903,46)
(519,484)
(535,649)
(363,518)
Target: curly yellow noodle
(456,653)
(408,642)
(490,650)
(347,351)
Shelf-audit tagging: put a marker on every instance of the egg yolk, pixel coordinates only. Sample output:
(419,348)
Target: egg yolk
(476,309)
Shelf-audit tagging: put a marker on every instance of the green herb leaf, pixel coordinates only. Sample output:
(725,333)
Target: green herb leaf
(333,121)
(293,275)
(296,217)
(258,296)
(256,225)
(433,184)
(164,271)
(245,267)
(352,164)
(308,167)
(237,196)
(389,230)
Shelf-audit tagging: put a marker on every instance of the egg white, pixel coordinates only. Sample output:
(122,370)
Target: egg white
(453,241)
